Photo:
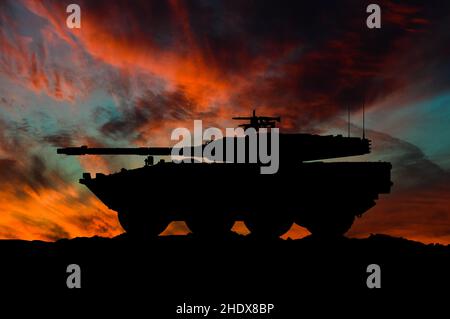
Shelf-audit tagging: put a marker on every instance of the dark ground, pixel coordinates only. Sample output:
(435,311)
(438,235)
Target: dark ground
(159,275)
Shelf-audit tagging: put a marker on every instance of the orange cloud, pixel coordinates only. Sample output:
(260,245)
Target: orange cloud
(421,215)
(52,214)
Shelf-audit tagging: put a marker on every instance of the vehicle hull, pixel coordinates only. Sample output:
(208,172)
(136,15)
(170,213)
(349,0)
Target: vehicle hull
(310,194)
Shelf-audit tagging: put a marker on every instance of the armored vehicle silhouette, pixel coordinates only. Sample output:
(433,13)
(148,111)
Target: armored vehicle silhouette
(324,197)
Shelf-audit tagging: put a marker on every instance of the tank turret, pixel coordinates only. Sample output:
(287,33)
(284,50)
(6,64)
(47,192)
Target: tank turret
(293,147)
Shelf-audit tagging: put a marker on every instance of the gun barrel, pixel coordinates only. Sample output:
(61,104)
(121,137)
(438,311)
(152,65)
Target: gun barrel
(84,150)
(242,118)
(271,118)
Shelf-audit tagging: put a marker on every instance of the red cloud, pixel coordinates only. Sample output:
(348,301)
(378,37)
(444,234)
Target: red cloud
(304,63)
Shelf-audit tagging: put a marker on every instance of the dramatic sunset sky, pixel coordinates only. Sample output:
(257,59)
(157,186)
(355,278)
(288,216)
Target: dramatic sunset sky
(137,69)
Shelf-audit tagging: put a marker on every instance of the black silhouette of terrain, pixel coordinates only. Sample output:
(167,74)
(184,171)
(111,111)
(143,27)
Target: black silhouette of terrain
(171,270)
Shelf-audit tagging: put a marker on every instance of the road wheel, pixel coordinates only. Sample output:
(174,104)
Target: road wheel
(210,225)
(268,225)
(142,225)
(325,226)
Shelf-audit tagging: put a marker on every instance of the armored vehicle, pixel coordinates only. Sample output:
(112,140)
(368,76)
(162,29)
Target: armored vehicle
(210,195)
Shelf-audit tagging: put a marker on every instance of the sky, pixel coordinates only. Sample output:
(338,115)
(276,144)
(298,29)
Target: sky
(135,70)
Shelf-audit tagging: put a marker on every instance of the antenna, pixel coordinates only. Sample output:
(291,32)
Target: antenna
(364,129)
(348,120)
